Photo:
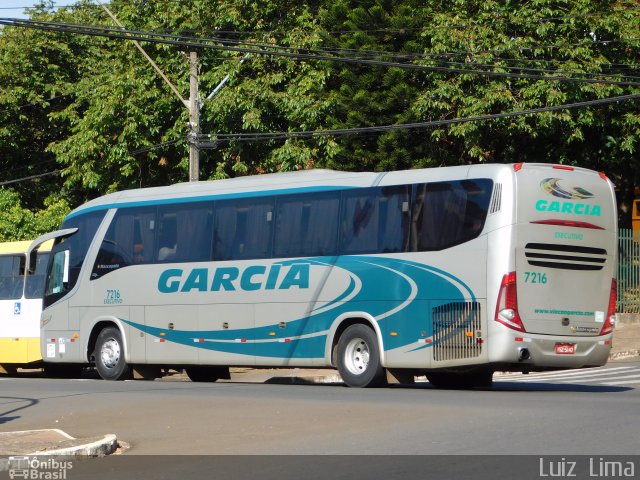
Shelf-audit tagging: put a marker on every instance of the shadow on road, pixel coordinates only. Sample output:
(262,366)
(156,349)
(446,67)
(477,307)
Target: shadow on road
(7,402)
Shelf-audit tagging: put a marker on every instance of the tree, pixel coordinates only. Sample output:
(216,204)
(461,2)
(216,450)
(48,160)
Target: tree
(545,38)
(101,114)
(36,77)
(20,223)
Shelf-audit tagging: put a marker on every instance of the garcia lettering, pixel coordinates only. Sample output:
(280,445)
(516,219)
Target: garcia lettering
(230,279)
(573,208)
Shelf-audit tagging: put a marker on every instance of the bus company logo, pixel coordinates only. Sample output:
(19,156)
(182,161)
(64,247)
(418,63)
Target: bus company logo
(255,277)
(552,187)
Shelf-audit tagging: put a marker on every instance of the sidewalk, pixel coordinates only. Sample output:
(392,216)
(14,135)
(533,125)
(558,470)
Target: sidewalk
(52,442)
(626,337)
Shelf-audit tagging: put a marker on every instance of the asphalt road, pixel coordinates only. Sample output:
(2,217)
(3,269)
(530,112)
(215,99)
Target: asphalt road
(541,418)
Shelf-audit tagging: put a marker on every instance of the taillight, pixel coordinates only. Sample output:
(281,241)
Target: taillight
(507,306)
(610,319)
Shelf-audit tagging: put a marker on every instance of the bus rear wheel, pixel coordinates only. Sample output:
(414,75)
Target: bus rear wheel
(109,355)
(358,359)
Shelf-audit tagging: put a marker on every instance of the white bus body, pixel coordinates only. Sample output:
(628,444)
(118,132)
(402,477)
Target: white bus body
(453,272)
(20,305)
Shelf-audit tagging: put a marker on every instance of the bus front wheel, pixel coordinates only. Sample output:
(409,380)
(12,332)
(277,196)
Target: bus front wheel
(358,359)
(109,355)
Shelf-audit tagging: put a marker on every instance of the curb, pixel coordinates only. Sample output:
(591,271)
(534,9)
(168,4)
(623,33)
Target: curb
(34,443)
(305,380)
(624,355)
(99,448)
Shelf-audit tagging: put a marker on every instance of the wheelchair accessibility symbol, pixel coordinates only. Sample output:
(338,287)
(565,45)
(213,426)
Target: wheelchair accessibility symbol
(17,308)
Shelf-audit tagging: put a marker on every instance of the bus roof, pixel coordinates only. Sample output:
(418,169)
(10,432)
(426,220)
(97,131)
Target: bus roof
(291,182)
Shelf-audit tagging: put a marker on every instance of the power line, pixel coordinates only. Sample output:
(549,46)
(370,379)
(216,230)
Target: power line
(32,177)
(408,126)
(431,56)
(156,147)
(500,19)
(297,54)
(519,21)
(27,105)
(471,24)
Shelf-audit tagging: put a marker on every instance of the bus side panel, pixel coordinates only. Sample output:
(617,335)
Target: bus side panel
(162,320)
(50,333)
(422,303)
(457,307)
(227,334)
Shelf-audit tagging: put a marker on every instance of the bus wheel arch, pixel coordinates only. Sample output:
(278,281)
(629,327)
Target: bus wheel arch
(357,353)
(107,349)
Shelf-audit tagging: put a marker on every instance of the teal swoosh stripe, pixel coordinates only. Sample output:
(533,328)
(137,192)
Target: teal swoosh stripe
(384,288)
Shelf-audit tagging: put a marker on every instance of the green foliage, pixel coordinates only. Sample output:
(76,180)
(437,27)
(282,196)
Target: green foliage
(94,107)
(19,223)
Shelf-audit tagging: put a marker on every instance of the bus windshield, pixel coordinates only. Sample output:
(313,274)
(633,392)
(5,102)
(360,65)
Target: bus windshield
(68,255)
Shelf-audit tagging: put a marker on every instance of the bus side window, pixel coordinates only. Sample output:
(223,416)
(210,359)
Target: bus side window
(307,225)
(59,276)
(11,276)
(395,208)
(375,220)
(438,216)
(34,285)
(446,214)
(185,232)
(360,222)
(129,240)
(243,229)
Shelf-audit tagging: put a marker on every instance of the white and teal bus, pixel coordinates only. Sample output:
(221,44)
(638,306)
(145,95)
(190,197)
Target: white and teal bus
(450,272)
(21,305)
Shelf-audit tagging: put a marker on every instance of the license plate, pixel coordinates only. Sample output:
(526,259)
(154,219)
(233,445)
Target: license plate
(565,348)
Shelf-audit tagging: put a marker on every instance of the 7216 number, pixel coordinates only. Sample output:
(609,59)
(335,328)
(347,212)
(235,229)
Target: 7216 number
(535,277)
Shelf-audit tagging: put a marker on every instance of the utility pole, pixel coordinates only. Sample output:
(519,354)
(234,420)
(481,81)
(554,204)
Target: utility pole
(193,104)
(194,119)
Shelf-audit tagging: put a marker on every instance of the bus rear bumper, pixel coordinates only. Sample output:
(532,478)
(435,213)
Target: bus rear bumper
(530,352)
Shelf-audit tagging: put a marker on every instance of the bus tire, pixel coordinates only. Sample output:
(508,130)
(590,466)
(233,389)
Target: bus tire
(206,374)
(358,358)
(109,355)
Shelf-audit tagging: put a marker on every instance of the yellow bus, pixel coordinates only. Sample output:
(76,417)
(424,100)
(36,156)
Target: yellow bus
(20,306)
